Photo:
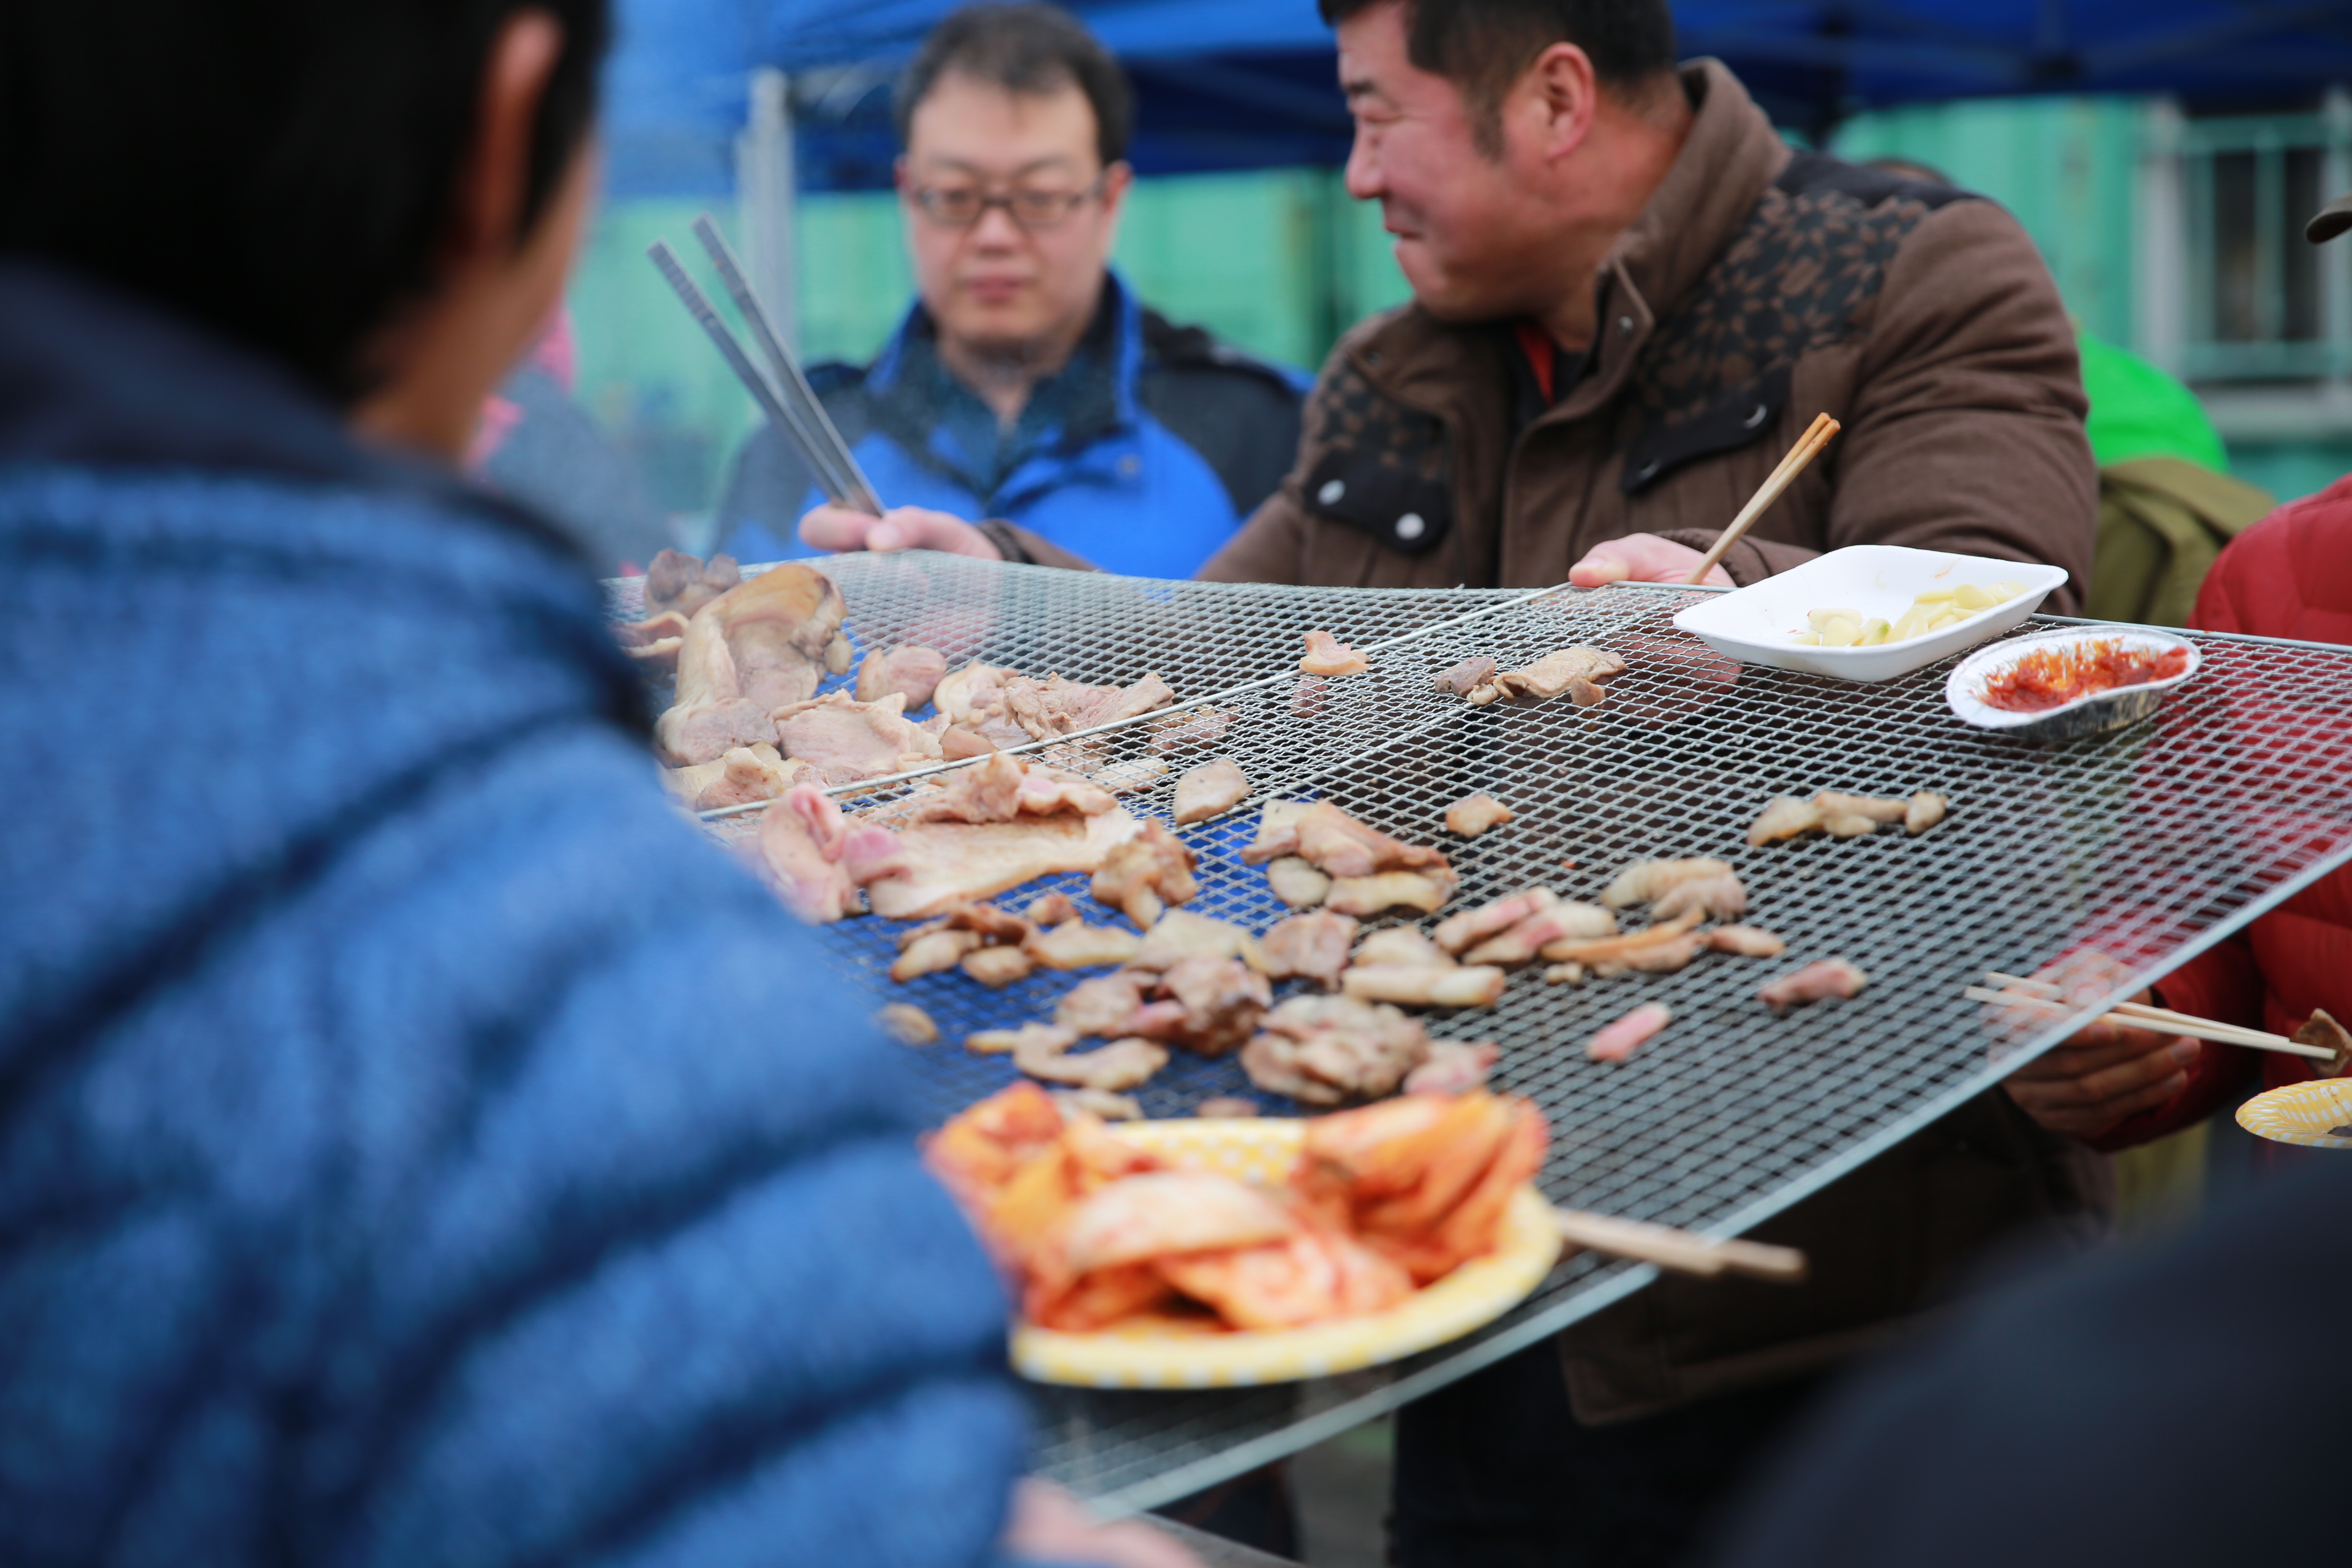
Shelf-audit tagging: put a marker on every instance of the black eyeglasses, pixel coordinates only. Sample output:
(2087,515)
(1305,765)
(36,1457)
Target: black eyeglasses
(962,207)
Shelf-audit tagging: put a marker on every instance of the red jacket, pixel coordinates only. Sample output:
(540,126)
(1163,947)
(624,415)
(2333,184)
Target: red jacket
(2290,576)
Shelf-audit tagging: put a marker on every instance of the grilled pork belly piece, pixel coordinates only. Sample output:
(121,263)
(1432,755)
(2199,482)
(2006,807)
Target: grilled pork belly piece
(1053,706)
(1580,671)
(1646,880)
(680,583)
(1326,1050)
(1458,932)
(1102,1005)
(1454,1066)
(1366,896)
(912,672)
(1151,870)
(1746,942)
(747,774)
(1816,982)
(1209,790)
(1132,776)
(1400,944)
(757,648)
(972,698)
(1043,1052)
(818,859)
(1621,1039)
(1310,946)
(1327,656)
(1473,815)
(1556,921)
(1179,935)
(951,862)
(847,741)
(1206,1004)
(1467,677)
(907,1023)
(653,643)
(1722,897)
(1296,883)
(1073,944)
(1449,984)
(1845,816)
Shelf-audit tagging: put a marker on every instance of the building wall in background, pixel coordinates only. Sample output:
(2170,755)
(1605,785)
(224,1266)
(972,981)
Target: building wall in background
(2064,166)
(1280,262)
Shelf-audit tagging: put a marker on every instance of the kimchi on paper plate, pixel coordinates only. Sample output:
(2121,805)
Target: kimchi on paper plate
(1205,1253)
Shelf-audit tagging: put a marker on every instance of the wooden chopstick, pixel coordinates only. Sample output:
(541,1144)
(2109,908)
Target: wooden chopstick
(2158,1020)
(1816,436)
(1684,1252)
(2183,1022)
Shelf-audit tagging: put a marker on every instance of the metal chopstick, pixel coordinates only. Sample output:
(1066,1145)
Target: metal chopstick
(756,384)
(789,379)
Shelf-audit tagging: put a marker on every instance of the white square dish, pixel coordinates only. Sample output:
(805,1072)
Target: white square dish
(1760,623)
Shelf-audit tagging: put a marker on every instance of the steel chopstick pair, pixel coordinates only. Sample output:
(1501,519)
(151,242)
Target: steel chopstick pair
(790,404)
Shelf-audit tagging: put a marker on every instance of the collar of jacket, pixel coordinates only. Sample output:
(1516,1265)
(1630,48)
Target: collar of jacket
(91,376)
(1728,161)
(1120,411)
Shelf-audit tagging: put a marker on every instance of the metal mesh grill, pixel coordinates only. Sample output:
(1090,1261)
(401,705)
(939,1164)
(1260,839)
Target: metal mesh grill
(2150,843)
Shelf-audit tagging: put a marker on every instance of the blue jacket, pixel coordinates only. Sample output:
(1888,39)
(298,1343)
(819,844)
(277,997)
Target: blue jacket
(1142,456)
(416,1146)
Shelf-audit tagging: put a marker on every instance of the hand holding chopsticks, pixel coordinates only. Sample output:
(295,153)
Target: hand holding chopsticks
(1809,446)
(1682,1251)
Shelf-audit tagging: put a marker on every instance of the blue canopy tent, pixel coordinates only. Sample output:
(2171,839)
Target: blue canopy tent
(1225,84)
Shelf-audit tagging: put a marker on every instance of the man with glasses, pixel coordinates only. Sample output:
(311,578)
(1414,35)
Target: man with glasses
(1028,383)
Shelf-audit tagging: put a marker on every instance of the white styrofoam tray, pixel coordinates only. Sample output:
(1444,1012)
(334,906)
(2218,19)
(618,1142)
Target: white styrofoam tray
(1760,623)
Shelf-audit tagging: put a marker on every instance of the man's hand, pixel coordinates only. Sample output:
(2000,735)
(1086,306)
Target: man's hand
(2101,1075)
(900,528)
(1640,558)
(1048,1526)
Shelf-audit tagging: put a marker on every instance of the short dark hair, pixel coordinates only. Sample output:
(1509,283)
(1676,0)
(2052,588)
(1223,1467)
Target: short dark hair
(281,171)
(1025,48)
(1483,46)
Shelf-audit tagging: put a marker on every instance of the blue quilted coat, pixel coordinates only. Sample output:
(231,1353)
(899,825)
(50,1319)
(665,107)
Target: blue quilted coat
(415,1146)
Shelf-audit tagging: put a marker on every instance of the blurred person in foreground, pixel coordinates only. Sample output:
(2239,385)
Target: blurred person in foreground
(1631,297)
(2289,576)
(1028,382)
(418,1148)
(2130,1409)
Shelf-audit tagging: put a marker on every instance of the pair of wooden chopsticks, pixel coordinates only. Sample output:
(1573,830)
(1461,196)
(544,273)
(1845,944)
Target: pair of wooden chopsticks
(1684,1252)
(1816,436)
(2016,991)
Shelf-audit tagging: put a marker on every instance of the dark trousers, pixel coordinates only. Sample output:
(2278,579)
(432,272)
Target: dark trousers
(1494,1472)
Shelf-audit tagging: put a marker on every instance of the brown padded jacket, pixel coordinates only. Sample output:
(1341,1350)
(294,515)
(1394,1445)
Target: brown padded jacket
(1757,289)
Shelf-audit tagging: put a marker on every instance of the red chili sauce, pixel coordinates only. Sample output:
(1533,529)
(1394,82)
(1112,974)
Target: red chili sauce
(2049,678)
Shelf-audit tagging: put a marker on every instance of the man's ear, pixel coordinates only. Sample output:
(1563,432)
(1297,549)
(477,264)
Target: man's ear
(495,187)
(1564,94)
(1117,180)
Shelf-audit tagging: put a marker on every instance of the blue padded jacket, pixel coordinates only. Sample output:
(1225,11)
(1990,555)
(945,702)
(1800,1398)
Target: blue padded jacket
(1160,440)
(416,1146)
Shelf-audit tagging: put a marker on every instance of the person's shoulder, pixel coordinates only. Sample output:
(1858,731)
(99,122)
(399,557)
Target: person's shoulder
(1809,173)
(2272,578)
(1194,351)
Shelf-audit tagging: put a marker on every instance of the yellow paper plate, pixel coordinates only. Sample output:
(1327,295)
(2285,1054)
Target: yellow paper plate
(1158,1354)
(2307,1113)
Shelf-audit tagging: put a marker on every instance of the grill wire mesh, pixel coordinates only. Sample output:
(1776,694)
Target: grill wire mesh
(2149,843)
